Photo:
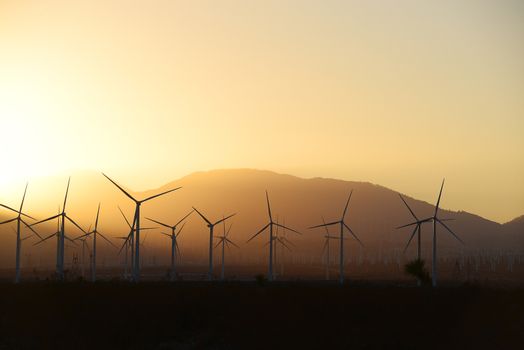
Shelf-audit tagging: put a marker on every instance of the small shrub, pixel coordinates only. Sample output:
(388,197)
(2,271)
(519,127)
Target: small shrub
(261,279)
(417,269)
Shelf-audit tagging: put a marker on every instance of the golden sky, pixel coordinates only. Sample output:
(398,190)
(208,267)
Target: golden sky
(399,93)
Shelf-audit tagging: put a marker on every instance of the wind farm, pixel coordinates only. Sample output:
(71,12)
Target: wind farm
(275,174)
(306,255)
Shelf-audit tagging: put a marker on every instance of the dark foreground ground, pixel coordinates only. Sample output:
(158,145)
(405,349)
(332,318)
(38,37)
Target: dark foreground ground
(199,315)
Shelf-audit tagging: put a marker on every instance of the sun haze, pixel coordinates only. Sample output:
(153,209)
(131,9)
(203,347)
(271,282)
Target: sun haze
(398,93)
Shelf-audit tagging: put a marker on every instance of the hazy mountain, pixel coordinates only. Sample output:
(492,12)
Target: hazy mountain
(373,214)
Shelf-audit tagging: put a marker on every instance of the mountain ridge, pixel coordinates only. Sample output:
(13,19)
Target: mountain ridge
(374,211)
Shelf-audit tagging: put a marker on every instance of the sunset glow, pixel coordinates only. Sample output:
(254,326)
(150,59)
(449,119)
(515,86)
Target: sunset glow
(396,93)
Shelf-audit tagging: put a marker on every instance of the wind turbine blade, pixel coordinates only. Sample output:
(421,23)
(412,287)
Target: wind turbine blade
(84,235)
(120,188)
(288,241)
(23,198)
(324,222)
(407,225)
(45,239)
(347,204)
(97,215)
(438,200)
(107,240)
(127,221)
(7,207)
(353,234)
(203,217)
(228,230)
(269,207)
(32,229)
(287,228)
(70,240)
(323,225)
(231,242)
(160,194)
(224,219)
(74,223)
(411,237)
(450,231)
(147,228)
(219,241)
(16,211)
(185,217)
(180,231)
(123,246)
(127,239)
(158,222)
(165,234)
(177,250)
(42,221)
(8,221)
(284,244)
(67,192)
(407,206)
(259,232)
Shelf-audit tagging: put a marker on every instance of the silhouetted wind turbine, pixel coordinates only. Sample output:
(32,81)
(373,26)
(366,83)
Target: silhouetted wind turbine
(84,247)
(417,230)
(62,217)
(126,246)
(282,240)
(175,251)
(225,242)
(211,227)
(129,240)
(271,237)
(136,221)
(326,249)
(342,225)
(95,233)
(19,221)
(174,245)
(435,219)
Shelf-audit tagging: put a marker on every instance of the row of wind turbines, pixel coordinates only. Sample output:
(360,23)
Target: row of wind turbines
(132,240)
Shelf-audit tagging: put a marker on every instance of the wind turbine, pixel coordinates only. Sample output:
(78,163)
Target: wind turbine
(435,219)
(95,233)
(60,246)
(342,224)
(136,223)
(84,247)
(19,221)
(271,237)
(326,249)
(129,240)
(211,227)
(283,241)
(126,246)
(224,241)
(174,244)
(417,230)
(143,245)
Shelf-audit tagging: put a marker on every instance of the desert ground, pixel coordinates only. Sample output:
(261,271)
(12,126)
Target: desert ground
(259,315)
